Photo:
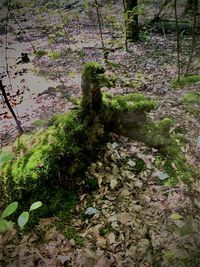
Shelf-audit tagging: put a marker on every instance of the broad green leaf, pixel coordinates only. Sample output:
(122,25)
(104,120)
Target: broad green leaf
(176,216)
(23,219)
(35,205)
(9,210)
(5,225)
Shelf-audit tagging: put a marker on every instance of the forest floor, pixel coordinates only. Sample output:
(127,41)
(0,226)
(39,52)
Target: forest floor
(137,220)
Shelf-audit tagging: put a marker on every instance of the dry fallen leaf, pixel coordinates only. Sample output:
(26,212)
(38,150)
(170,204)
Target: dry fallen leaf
(113,183)
(103,262)
(101,242)
(111,238)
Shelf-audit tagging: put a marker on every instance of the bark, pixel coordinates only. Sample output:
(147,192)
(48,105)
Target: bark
(132,31)
(193,37)
(190,6)
(177,41)
(91,94)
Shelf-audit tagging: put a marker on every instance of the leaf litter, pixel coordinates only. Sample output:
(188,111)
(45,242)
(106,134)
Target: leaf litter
(140,221)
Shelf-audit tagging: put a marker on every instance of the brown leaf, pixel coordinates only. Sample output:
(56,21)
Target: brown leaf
(103,262)
(111,238)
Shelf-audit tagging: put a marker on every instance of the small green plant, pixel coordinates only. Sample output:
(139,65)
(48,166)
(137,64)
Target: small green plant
(143,36)
(169,256)
(130,102)
(71,233)
(185,81)
(54,55)
(6,225)
(191,98)
(191,102)
(40,53)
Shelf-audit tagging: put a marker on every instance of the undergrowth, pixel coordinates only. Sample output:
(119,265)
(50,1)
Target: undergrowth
(186,81)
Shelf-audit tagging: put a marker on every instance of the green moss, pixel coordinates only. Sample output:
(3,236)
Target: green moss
(130,102)
(94,73)
(39,123)
(170,182)
(185,81)
(44,159)
(172,161)
(71,233)
(91,183)
(155,134)
(191,102)
(139,165)
(92,70)
(5,157)
(54,55)
(169,256)
(191,98)
(40,53)
(105,230)
(113,64)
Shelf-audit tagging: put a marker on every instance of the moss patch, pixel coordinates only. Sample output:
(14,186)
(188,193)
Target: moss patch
(156,134)
(6,154)
(91,70)
(130,102)
(191,102)
(71,233)
(45,162)
(40,53)
(39,123)
(185,81)
(191,98)
(172,161)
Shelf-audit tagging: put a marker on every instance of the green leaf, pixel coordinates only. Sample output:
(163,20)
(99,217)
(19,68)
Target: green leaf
(35,205)
(9,210)
(23,219)
(176,216)
(5,225)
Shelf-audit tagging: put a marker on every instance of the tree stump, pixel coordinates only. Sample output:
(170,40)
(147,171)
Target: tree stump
(91,83)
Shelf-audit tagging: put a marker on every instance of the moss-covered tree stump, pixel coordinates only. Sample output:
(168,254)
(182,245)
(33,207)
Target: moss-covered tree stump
(47,163)
(91,84)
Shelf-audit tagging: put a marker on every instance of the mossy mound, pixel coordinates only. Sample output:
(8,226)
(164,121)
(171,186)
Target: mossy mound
(130,102)
(191,102)
(92,70)
(155,134)
(46,161)
(128,117)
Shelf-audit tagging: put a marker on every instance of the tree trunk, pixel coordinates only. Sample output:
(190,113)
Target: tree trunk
(132,31)
(10,107)
(190,6)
